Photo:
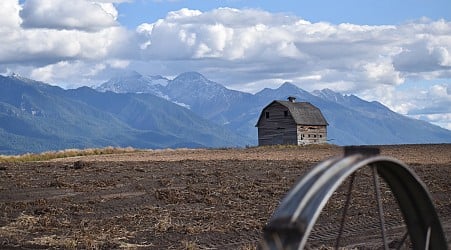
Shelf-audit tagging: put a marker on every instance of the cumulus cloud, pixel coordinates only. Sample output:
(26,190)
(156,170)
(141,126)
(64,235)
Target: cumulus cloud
(442,120)
(241,47)
(68,74)
(256,46)
(423,57)
(48,44)
(9,17)
(68,14)
(430,103)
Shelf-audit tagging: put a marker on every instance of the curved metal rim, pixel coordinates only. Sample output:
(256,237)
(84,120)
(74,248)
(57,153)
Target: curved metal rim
(301,207)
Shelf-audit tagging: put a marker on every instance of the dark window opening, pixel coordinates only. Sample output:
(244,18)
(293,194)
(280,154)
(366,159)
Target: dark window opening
(267,115)
(309,135)
(320,136)
(285,113)
(314,136)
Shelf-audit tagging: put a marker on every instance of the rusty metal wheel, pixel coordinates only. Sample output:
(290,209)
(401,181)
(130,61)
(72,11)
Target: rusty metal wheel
(292,223)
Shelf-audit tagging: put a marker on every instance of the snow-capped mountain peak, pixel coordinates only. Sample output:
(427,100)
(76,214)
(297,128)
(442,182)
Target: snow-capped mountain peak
(133,82)
(329,94)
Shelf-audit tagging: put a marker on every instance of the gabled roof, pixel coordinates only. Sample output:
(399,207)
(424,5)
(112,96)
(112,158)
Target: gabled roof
(303,113)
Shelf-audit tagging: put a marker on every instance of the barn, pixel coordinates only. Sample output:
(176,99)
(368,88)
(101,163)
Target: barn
(291,122)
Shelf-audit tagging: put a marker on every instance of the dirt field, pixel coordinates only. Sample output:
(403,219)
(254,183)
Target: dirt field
(190,199)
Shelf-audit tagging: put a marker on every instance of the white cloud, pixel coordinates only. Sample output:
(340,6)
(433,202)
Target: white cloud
(183,14)
(118,64)
(9,14)
(432,103)
(50,73)
(242,47)
(68,14)
(255,45)
(75,73)
(442,120)
(58,72)
(48,45)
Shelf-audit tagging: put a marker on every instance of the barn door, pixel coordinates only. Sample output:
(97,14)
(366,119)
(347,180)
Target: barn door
(278,136)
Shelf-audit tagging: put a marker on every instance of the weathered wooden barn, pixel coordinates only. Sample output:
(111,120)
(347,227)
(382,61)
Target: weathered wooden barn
(291,122)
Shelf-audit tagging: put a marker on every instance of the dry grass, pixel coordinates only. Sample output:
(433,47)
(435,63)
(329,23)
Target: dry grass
(189,245)
(248,246)
(45,156)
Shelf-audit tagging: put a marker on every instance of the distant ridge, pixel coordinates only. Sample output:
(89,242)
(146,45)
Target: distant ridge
(353,121)
(36,117)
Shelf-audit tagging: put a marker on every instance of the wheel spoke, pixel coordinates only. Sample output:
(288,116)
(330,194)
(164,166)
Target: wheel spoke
(428,238)
(403,239)
(345,210)
(379,205)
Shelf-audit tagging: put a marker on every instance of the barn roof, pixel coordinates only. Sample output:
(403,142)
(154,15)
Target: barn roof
(303,113)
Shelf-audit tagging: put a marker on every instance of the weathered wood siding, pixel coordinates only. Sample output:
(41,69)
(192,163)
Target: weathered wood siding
(278,127)
(311,134)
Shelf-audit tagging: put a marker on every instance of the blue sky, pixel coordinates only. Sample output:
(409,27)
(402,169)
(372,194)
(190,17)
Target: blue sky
(397,52)
(370,12)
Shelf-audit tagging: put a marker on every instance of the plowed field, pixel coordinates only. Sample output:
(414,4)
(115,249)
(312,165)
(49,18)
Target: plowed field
(190,199)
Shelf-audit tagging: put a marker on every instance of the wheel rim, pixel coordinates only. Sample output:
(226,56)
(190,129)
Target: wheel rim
(293,221)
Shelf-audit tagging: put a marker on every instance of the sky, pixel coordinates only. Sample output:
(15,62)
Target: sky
(395,52)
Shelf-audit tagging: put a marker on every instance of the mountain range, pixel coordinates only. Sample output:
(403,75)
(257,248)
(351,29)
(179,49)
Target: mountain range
(36,117)
(352,121)
(187,111)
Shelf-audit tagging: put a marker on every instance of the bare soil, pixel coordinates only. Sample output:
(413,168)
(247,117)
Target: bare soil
(192,199)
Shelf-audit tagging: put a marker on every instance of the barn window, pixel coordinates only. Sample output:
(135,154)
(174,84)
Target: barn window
(320,136)
(285,113)
(314,136)
(267,115)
